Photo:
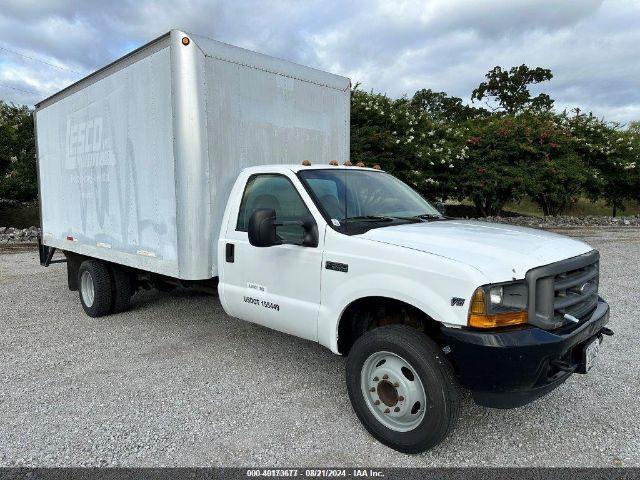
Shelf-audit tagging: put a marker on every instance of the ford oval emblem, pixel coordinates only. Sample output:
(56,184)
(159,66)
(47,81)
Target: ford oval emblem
(585,287)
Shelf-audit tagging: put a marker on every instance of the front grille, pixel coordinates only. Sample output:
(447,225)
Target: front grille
(576,292)
(568,288)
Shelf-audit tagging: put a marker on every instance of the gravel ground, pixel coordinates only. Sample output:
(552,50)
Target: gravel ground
(176,382)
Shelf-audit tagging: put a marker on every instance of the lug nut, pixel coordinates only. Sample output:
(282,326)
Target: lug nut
(396,385)
(387,410)
(385,376)
(377,402)
(372,389)
(400,398)
(376,379)
(397,409)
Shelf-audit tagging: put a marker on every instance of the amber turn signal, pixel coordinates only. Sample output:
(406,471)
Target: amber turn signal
(480,318)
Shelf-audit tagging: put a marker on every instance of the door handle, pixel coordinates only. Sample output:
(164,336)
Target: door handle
(230,251)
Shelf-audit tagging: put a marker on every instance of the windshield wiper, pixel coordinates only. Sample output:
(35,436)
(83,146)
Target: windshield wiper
(371,218)
(390,218)
(430,216)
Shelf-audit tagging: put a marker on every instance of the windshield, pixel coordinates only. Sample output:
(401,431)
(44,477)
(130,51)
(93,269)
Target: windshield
(366,196)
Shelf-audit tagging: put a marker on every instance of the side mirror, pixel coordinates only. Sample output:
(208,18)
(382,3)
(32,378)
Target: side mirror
(262,228)
(440,207)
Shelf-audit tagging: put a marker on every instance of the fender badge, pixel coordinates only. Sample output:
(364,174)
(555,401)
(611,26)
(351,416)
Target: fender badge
(457,302)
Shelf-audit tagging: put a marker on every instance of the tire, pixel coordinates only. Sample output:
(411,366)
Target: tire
(122,289)
(403,425)
(95,288)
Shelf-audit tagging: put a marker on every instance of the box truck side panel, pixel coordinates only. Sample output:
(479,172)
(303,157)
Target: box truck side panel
(261,111)
(106,166)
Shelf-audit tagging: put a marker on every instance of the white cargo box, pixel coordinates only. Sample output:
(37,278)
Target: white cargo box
(136,161)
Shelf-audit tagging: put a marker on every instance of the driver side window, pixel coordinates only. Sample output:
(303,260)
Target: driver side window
(276,192)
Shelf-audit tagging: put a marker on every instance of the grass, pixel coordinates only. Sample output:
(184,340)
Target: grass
(581,208)
(528,207)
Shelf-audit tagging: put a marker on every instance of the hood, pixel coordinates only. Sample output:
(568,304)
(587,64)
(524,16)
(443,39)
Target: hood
(501,252)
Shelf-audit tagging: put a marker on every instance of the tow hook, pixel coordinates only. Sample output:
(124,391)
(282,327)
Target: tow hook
(606,331)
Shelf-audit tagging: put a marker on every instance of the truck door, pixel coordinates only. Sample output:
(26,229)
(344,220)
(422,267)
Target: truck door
(277,286)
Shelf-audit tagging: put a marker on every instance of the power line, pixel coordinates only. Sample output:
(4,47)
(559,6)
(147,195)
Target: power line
(19,89)
(38,60)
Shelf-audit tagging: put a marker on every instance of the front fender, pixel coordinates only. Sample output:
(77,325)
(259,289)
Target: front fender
(429,301)
(376,269)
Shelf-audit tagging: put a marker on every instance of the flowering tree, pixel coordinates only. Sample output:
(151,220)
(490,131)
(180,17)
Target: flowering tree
(446,149)
(611,155)
(494,172)
(407,142)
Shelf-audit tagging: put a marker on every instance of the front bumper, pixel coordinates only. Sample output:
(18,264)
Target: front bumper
(507,369)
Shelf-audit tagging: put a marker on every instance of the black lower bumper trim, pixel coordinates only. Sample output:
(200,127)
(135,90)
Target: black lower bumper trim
(507,369)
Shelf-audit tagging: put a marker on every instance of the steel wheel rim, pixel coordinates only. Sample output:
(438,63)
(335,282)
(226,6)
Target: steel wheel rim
(86,287)
(393,391)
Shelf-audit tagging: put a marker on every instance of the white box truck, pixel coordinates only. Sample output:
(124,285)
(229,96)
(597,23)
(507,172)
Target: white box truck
(191,162)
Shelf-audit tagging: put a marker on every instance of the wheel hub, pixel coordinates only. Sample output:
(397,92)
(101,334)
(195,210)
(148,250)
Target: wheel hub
(393,391)
(387,393)
(87,289)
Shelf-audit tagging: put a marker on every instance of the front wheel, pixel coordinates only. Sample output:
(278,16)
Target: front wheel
(402,388)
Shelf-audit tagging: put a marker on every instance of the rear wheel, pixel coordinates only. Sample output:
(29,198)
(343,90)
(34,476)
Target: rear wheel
(122,289)
(94,284)
(402,388)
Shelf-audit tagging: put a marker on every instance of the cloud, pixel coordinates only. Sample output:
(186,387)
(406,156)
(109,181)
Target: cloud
(393,47)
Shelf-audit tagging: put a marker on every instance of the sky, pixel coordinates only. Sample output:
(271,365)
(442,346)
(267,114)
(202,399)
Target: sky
(393,47)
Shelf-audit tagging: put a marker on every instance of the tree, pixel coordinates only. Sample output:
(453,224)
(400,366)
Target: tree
(18,178)
(634,127)
(510,89)
(493,175)
(611,156)
(555,172)
(441,107)
(406,142)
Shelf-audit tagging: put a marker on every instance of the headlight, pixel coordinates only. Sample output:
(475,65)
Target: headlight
(498,305)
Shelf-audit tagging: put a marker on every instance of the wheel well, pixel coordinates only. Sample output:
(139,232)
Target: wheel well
(368,313)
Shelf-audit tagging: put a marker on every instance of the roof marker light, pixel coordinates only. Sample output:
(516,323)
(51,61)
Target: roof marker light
(377,167)
(360,164)
(333,163)
(306,163)
(347,163)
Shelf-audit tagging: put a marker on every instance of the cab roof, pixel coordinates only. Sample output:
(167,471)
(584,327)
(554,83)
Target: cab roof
(296,167)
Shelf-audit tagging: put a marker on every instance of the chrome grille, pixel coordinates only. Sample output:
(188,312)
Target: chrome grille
(564,292)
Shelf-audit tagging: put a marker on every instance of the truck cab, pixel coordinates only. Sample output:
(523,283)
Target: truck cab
(421,304)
